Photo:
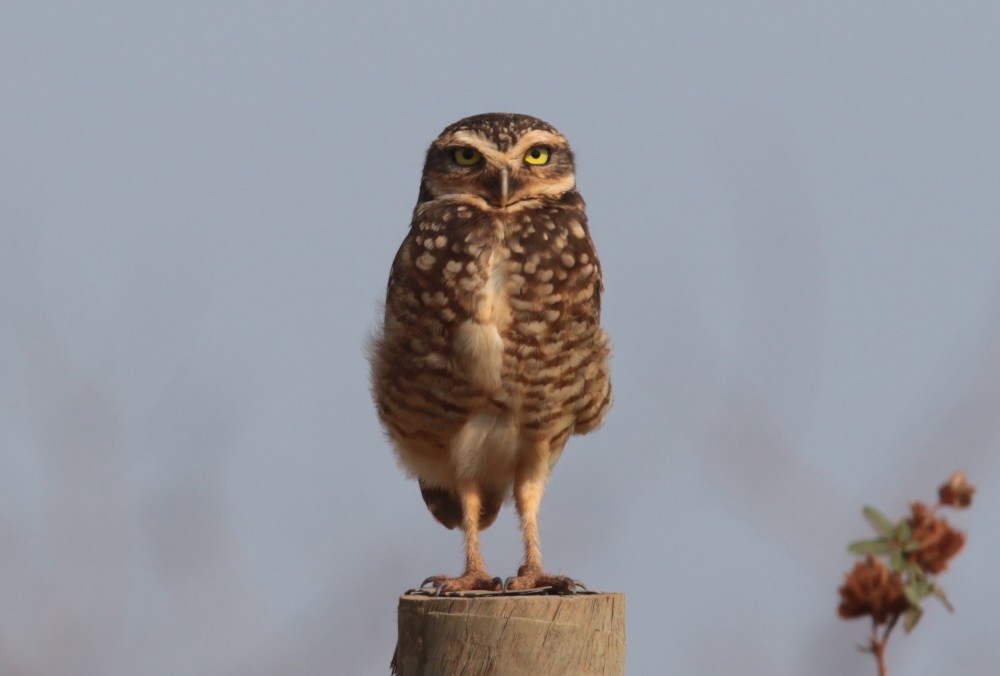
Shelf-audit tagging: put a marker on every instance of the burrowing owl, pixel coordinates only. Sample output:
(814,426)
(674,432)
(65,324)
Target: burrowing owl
(491,354)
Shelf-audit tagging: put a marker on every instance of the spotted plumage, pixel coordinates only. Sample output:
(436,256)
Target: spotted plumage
(491,354)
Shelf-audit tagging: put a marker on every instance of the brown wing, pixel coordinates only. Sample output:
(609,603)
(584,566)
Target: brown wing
(445,507)
(556,321)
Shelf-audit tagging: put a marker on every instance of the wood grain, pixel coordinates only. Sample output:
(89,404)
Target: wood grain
(511,635)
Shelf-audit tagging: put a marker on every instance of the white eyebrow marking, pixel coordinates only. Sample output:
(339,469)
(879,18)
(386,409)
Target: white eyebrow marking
(490,150)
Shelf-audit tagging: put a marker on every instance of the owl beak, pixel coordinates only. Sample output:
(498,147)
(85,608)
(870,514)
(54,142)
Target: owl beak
(504,186)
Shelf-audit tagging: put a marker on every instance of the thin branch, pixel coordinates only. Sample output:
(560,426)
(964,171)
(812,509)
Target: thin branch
(878,643)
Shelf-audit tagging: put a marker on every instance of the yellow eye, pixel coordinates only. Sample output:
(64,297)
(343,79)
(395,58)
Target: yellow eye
(467,157)
(537,155)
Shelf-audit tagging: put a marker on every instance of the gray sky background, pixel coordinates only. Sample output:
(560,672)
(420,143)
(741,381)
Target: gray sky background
(797,210)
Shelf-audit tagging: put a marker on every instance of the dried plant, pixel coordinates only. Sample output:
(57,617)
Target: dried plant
(900,565)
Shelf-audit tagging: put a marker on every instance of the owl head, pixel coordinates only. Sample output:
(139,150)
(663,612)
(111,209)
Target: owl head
(501,158)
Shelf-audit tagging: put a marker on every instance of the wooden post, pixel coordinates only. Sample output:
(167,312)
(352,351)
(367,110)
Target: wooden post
(494,635)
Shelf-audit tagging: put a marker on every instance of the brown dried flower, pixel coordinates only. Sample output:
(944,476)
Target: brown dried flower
(938,541)
(872,589)
(956,492)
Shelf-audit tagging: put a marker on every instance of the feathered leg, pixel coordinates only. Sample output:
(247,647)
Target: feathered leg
(529,487)
(470,496)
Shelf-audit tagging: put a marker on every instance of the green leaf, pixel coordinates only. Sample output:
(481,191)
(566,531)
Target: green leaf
(923,586)
(913,594)
(879,521)
(896,561)
(938,592)
(904,534)
(911,617)
(877,546)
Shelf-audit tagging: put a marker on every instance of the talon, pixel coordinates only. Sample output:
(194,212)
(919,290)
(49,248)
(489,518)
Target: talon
(528,581)
(566,585)
(442,585)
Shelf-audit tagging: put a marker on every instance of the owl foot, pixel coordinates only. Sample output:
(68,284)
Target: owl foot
(442,584)
(533,579)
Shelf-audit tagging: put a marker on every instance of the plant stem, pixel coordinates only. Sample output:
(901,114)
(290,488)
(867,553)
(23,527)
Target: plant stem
(878,643)
(878,649)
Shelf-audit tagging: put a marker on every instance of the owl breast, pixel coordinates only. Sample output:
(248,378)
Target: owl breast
(555,350)
(492,335)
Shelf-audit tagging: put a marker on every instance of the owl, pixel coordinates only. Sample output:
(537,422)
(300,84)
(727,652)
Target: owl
(491,354)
